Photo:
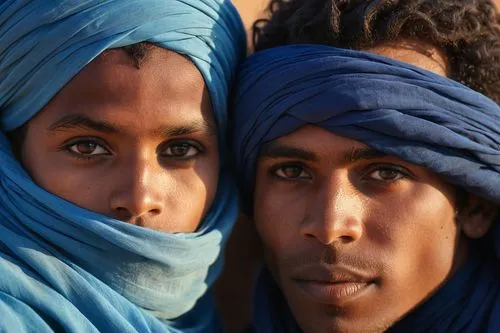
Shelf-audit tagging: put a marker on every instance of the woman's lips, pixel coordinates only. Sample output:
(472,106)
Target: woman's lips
(333,293)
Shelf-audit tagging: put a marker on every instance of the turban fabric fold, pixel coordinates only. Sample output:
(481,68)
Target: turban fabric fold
(393,107)
(64,268)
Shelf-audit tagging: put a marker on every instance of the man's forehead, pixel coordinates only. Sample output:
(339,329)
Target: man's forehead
(315,143)
(415,52)
(312,135)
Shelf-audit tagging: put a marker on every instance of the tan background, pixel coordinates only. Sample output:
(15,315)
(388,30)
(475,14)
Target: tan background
(250,10)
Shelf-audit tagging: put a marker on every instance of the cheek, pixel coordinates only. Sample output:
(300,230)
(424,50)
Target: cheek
(86,187)
(421,215)
(277,216)
(201,182)
(417,238)
(50,171)
(189,196)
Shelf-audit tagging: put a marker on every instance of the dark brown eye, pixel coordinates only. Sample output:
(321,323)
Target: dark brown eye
(292,172)
(386,174)
(87,148)
(181,150)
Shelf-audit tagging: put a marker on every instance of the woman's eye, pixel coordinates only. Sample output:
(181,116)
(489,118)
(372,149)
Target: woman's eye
(292,172)
(88,148)
(181,150)
(386,174)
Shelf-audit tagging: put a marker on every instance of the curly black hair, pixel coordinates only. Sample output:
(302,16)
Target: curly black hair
(467,31)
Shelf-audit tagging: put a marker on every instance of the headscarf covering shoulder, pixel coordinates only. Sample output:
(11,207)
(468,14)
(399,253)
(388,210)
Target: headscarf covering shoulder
(65,268)
(398,109)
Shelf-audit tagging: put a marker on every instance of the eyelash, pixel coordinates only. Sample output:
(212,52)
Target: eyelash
(67,148)
(192,144)
(279,167)
(403,172)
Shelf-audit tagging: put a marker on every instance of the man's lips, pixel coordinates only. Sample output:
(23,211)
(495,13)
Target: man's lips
(332,285)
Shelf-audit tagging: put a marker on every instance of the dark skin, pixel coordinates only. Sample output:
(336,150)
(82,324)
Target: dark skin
(354,238)
(135,143)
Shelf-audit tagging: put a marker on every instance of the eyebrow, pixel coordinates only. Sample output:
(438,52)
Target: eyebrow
(84,122)
(357,154)
(277,150)
(202,126)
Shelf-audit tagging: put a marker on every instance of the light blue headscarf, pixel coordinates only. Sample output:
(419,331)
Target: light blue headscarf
(65,268)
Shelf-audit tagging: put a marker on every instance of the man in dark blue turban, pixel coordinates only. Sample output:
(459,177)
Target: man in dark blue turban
(373,176)
(115,196)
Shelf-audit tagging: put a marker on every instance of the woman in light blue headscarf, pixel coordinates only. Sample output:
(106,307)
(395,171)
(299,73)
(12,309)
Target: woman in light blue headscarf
(66,268)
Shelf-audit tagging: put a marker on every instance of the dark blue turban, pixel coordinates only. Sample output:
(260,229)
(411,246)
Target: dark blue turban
(393,107)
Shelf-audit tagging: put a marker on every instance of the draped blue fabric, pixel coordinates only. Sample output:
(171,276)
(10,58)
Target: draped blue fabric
(398,109)
(64,268)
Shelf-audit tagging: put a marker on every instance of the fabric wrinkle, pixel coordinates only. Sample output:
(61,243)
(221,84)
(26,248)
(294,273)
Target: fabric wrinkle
(79,269)
(395,108)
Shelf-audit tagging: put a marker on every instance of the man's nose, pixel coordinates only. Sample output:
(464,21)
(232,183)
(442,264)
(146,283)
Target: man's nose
(335,213)
(138,196)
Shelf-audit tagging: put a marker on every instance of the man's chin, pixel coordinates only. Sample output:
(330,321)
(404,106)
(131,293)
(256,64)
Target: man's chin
(325,324)
(314,317)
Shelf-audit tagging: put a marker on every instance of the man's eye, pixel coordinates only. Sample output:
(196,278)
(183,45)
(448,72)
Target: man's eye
(181,150)
(387,174)
(88,148)
(292,172)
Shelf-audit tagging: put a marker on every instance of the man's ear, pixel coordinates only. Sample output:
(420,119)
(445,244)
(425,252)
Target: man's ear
(476,216)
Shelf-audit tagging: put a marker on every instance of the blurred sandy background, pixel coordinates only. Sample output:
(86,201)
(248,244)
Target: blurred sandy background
(250,10)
